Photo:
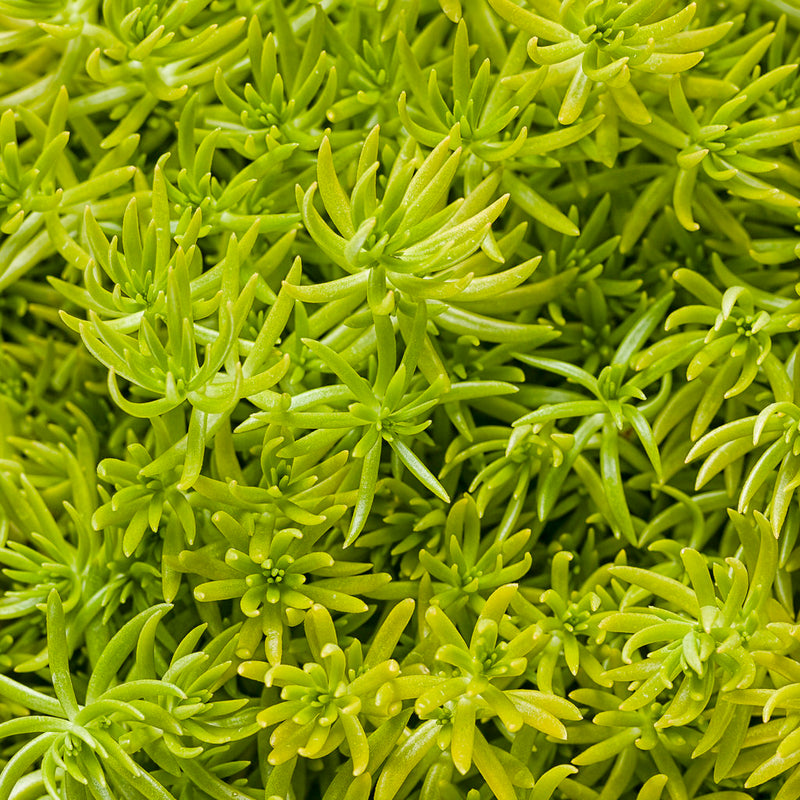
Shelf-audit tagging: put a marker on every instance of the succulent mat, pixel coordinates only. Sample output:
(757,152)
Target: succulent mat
(399,399)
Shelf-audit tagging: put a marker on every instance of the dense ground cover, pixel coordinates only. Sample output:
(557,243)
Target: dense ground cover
(399,399)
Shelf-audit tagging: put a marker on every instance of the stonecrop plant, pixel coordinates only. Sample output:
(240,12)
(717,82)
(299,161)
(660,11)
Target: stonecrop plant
(399,400)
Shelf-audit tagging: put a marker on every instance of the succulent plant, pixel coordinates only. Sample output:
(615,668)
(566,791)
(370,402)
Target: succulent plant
(399,400)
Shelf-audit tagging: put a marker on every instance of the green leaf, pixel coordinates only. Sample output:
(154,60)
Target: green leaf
(535,205)
(58,655)
(660,585)
(418,469)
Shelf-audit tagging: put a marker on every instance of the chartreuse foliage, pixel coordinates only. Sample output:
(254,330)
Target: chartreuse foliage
(399,400)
